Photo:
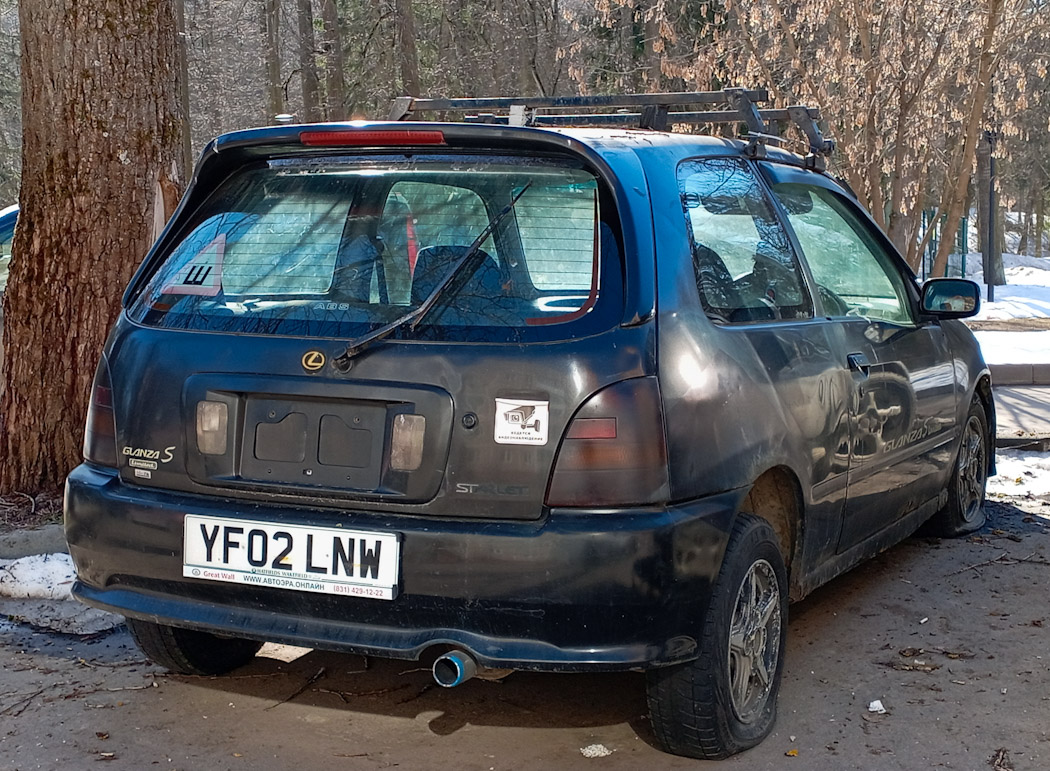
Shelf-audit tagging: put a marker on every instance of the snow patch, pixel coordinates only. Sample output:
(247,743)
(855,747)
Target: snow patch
(1021,472)
(41,576)
(1014,347)
(1027,291)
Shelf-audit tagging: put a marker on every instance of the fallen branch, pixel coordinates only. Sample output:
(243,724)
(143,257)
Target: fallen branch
(421,691)
(179,676)
(345,696)
(78,692)
(316,676)
(24,702)
(1002,559)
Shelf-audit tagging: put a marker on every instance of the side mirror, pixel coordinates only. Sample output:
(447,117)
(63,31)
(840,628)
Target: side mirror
(950,298)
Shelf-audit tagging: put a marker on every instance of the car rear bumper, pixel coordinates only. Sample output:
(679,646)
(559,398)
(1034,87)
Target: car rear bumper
(577,590)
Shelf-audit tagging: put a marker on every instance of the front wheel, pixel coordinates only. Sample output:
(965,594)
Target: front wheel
(964,512)
(190,652)
(725,701)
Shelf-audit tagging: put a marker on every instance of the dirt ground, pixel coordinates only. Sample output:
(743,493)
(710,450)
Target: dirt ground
(951,636)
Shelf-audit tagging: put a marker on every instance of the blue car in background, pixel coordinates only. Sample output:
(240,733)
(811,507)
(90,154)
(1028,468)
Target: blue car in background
(8,217)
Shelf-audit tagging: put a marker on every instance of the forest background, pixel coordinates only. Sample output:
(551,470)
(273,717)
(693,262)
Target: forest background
(909,88)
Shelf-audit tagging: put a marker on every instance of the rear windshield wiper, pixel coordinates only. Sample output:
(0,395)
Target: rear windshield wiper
(414,317)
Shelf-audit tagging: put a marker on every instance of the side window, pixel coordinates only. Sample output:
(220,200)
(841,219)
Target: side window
(854,274)
(746,270)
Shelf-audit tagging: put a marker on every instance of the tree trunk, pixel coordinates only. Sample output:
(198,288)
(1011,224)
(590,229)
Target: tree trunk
(100,150)
(308,64)
(186,167)
(271,22)
(653,47)
(955,194)
(332,45)
(983,155)
(406,46)
(1040,211)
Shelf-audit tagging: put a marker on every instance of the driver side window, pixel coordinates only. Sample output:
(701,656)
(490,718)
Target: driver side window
(746,270)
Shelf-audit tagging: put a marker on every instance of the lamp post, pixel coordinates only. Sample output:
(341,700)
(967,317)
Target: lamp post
(989,244)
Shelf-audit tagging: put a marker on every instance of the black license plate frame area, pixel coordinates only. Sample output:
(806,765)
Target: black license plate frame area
(324,560)
(314,442)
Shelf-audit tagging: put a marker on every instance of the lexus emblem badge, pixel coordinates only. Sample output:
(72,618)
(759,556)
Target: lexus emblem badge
(313,361)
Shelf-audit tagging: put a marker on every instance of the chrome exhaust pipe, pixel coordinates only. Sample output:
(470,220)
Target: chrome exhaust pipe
(454,668)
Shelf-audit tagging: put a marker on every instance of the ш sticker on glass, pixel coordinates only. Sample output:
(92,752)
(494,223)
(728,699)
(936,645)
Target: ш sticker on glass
(521,421)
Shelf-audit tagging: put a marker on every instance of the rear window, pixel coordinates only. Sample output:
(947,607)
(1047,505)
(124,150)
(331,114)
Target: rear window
(336,247)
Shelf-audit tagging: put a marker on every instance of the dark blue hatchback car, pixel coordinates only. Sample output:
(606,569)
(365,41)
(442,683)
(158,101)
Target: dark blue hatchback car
(545,398)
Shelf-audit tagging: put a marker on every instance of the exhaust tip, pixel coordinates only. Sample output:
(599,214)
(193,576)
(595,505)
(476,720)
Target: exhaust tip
(454,668)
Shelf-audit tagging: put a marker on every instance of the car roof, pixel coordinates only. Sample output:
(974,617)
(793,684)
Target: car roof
(460,134)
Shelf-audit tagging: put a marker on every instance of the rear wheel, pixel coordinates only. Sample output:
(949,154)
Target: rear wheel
(725,701)
(190,652)
(964,512)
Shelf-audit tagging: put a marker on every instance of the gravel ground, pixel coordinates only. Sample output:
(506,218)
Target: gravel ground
(951,637)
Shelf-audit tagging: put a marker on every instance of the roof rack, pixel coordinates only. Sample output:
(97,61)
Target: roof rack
(651,111)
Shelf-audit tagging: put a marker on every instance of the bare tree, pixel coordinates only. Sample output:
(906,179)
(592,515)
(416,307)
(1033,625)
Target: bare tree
(271,26)
(307,63)
(332,46)
(100,147)
(406,44)
(953,198)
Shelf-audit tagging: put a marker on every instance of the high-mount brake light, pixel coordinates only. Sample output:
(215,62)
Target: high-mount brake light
(614,452)
(367,138)
(100,432)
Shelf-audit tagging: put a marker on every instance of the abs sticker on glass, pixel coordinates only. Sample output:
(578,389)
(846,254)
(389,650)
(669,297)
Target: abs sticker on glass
(520,421)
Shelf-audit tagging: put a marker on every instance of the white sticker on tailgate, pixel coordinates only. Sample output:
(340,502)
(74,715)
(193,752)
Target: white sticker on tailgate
(328,560)
(521,422)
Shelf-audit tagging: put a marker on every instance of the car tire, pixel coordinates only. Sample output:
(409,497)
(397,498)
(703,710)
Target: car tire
(707,708)
(190,652)
(964,511)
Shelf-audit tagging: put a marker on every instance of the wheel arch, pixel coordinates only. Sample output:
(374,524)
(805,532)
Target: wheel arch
(983,392)
(776,497)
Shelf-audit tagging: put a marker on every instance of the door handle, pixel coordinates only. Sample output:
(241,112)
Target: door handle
(858,362)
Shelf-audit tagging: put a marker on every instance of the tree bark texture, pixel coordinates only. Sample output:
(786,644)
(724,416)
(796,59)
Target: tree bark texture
(335,86)
(271,24)
(101,143)
(406,43)
(308,63)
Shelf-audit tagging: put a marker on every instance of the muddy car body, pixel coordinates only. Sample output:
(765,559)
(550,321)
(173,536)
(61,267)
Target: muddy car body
(631,467)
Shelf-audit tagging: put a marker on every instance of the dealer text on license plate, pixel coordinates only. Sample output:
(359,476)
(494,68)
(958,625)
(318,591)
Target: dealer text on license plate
(328,560)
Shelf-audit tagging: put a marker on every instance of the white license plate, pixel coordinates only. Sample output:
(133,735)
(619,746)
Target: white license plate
(329,560)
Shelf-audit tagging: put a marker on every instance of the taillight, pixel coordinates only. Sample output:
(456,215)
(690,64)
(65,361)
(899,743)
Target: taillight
(371,138)
(614,452)
(100,433)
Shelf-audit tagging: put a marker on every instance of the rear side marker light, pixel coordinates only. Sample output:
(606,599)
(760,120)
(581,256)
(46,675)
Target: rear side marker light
(100,442)
(406,442)
(592,428)
(343,138)
(212,422)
